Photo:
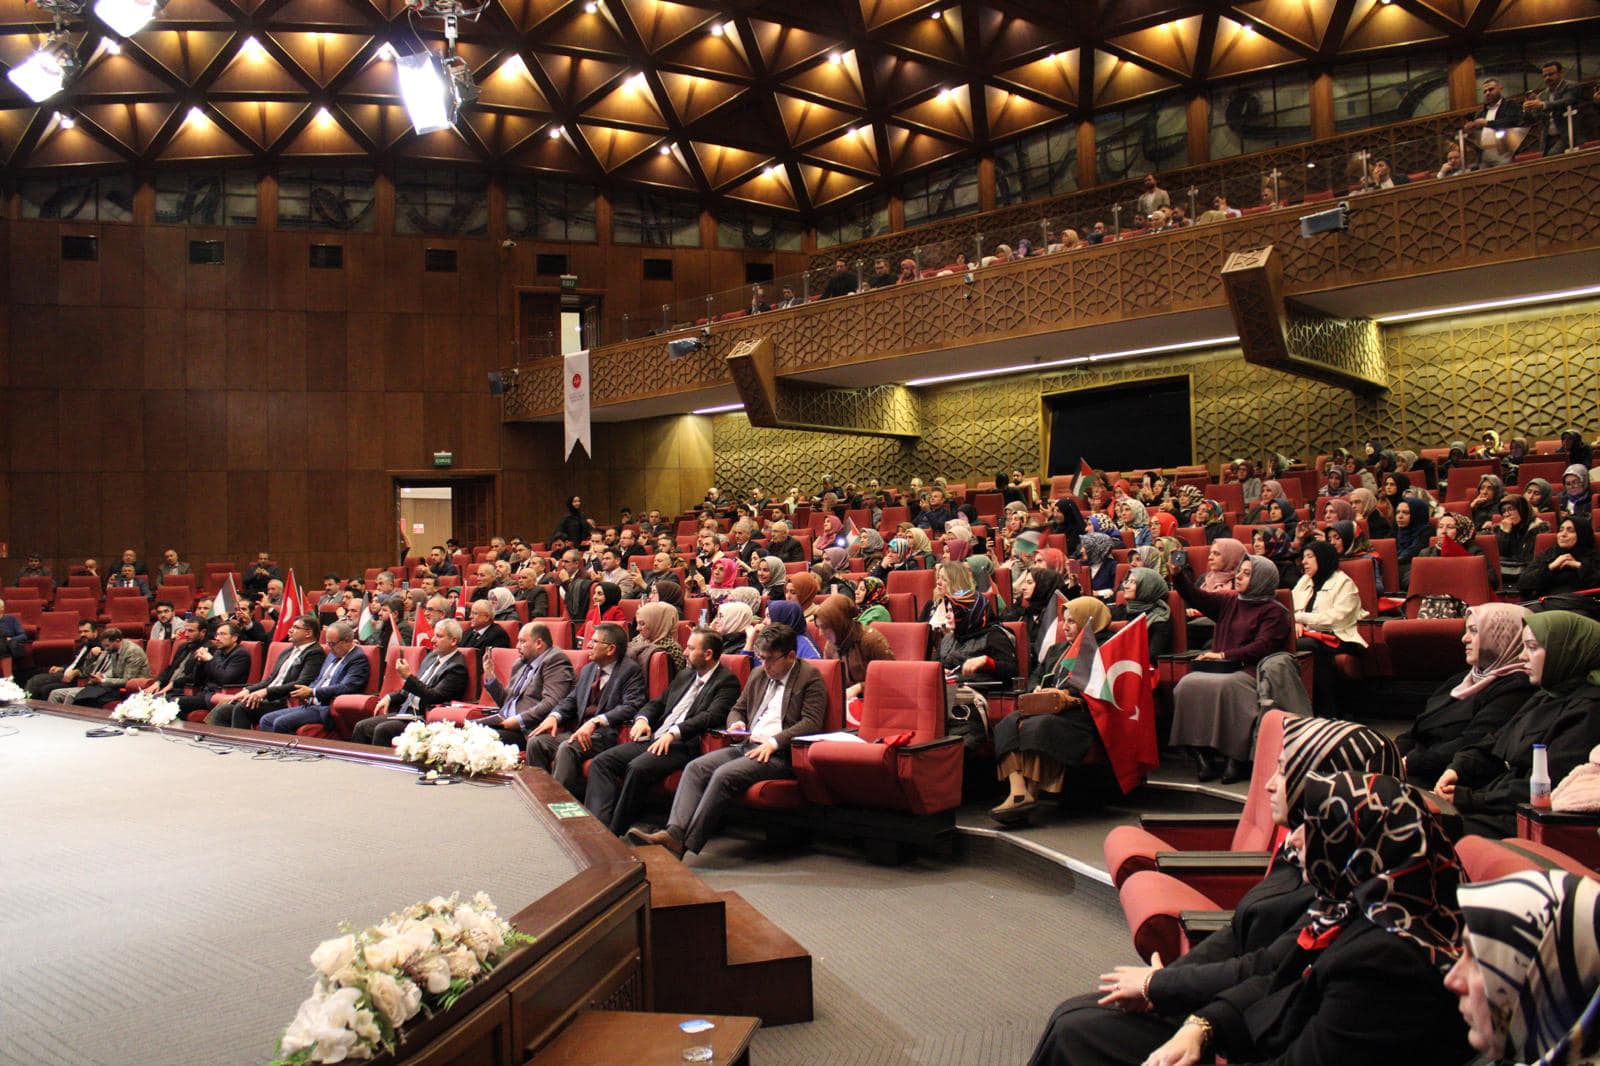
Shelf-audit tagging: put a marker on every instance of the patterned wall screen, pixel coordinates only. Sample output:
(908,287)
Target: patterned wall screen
(1040,164)
(1152,135)
(550,209)
(1260,113)
(1516,62)
(441,203)
(1376,92)
(327,199)
(854,221)
(200,198)
(740,228)
(100,198)
(655,219)
(943,192)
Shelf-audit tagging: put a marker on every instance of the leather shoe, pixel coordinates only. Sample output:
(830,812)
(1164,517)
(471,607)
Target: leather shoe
(1235,772)
(661,838)
(1206,764)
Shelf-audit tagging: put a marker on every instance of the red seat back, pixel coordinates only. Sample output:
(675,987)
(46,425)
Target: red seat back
(630,612)
(159,654)
(59,625)
(21,592)
(1388,565)
(1466,577)
(657,674)
(41,585)
(125,611)
(257,652)
(275,649)
(903,697)
(511,628)
(1257,830)
(739,666)
(578,657)
(470,657)
(180,596)
(391,676)
(919,583)
(560,631)
(1230,494)
(892,517)
(1365,576)
(907,640)
(30,611)
(693,605)
(833,680)
(1019,632)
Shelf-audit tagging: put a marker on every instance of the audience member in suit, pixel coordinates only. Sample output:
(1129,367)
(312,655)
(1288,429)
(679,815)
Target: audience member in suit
(483,631)
(439,563)
(574,580)
(665,734)
(1550,107)
(120,662)
(345,671)
(126,578)
(299,664)
(441,678)
(80,666)
(171,565)
(131,558)
(535,595)
(785,699)
(609,691)
(181,669)
(167,626)
(541,680)
(783,545)
(225,666)
(1489,128)
(258,574)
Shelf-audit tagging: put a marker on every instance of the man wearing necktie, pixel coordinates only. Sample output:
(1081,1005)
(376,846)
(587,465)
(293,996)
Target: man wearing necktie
(785,699)
(580,726)
(442,677)
(344,672)
(298,664)
(542,679)
(664,736)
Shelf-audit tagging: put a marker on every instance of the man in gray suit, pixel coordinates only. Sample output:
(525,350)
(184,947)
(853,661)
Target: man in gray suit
(120,662)
(579,726)
(541,680)
(1548,108)
(785,699)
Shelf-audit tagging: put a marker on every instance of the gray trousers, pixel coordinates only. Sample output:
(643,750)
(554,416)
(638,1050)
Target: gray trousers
(562,760)
(711,783)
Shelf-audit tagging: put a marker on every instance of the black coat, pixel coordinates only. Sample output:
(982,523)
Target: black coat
(1446,724)
(493,636)
(447,685)
(1494,771)
(1539,580)
(305,672)
(996,642)
(709,710)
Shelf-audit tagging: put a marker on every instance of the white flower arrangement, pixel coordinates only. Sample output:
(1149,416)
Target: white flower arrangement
(146,709)
(449,748)
(10,691)
(371,983)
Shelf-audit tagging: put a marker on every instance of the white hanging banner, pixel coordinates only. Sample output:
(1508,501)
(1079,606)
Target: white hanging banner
(576,367)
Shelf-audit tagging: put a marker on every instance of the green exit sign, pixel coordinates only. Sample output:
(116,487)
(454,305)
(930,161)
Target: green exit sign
(443,458)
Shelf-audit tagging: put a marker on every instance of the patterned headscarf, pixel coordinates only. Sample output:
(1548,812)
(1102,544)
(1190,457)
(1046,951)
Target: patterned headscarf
(873,591)
(1329,746)
(1536,937)
(1147,556)
(1233,553)
(1274,542)
(1190,497)
(971,611)
(746,595)
(1208,513)
(1373,849)
(1138,516)
(1096,548)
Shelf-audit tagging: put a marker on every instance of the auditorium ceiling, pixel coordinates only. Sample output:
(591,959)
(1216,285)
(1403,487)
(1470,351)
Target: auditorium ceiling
(790,105)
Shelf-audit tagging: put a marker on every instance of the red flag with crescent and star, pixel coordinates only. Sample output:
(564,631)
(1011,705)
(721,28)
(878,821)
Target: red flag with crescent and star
(1119,690)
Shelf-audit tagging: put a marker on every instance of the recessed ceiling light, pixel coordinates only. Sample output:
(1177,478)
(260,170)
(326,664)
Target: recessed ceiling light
(730,29)
(637,83)
(112,47)
(324,117)
(665,149)
(195,116)
(946,93)
(66,120)
(936,14)
(591,7)
(252,48)
(836,57)
(387,53)
(555,132)
(862,131)
(1248,29)
(771,171)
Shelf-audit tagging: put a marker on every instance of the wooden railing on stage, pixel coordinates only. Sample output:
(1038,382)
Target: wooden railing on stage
(1512,213)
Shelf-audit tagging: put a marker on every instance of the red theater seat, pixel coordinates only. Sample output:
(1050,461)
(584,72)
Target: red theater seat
(374,678)
(907,640)
(348,710)
(787,795)
(919,583)
(920,777)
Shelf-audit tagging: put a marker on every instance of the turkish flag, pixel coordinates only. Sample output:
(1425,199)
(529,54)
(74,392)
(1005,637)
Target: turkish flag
(291,608)
(1450,548)
(1121,699)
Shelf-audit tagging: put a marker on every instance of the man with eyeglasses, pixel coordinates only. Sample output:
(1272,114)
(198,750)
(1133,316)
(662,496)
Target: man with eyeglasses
(610,689)
(299,663)
(785,699)
(120,661)
(345,671)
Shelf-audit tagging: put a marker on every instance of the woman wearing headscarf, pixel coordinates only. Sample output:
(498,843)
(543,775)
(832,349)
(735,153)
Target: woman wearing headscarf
(1139,1006)
(920,554)
(872,597)
(1575,498)
(1365,501)
(574,526)
(1485,505)
(1065,518)
(982,567)
(669,593)
(1131,514)
(769,577)
(1222,563)
(732,620)
(1569,565)
(1511,463)
(1351,544)
(846,639)
(1327,606)
(1411,534)
(1185,502)
(1101,568)
(1356,979)
(956,542)
(1516,537)
(1033,752)
(1529,979)
(1471,705)
(1210,517)
(829,536)
(1395,487)
(1451,526)
(802,588)
(977,647)
(1244,472)
(1488,778)
(724,578)
(829,580)
(785,613)
(604,598)
(1144,593)
(504,602)
(1036,609)
(1269,542)
(1335,484)
(1540,495)
(657,625)
(1256,511)
(1575,450)
(1335,509)
(748,596)
(1215,713)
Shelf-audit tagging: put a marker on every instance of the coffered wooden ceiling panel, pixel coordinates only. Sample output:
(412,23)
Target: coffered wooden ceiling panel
(790,105)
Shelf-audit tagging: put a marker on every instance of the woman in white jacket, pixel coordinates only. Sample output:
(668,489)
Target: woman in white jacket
(1327,606)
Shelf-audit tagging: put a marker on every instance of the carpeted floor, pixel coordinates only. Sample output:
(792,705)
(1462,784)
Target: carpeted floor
(158,903)
(935,963)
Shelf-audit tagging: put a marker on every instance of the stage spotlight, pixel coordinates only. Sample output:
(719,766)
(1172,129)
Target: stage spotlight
(128,17)
(434,90)
(42,74)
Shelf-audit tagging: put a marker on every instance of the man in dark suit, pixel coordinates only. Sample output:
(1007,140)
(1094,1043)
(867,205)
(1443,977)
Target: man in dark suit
(541,680)
(575,580)
(345,671)
(530,592)
(299,664)
(181,668)
(1550,106)
(441,678)
(665,734)
(609,691)
(785,699)
(1497,127)
(482,631)
(225,666)
(84,661)
(258,573)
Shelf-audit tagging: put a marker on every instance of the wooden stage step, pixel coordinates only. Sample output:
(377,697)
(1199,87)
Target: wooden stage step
(712,952)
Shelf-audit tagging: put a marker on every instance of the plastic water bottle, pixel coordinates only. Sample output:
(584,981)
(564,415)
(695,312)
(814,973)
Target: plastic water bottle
(705,613)
(1539,783)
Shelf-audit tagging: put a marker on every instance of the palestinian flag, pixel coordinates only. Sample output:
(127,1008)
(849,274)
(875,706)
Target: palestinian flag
(226,601)
(1085,480)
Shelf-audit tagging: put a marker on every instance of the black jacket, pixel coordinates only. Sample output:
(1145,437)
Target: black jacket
(790,551)
(449,684)
(1446,724)
(1539,580)
(996,642)
(1494,771)
(709,710)
(537,599)
(494,636)
(224,670)
(621,697)
(305,672)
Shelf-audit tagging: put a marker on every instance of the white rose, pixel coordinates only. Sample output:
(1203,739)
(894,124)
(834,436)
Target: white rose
(324,1024)
(334,955)
(385,955)
(389,998)
(434,974)
(462,962)
(366,1027)
(438,904)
